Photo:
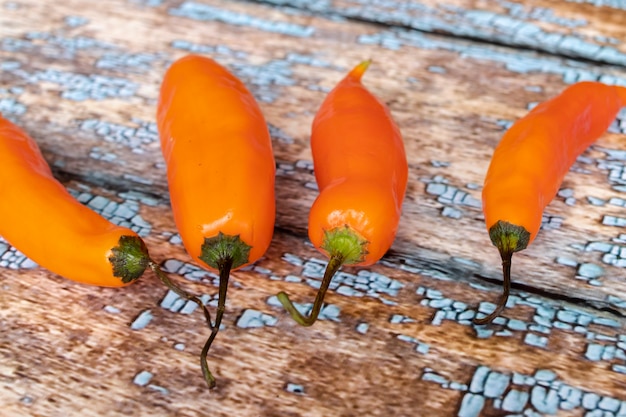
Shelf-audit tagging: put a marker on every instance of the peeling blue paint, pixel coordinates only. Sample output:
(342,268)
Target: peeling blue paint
(295,388)
(518,393)
(148,3)
(142,378)
(159,389)
(9,107)
(220,50)
(495,384)
(79,87)
(399,318)
(520,62)
(448,194)
(174,303)
(616,4)
(142,320)
(111,309)
(471,405)
(190,272)
(544,400)
(128,62)
(135,136)
(362,328)
(75,21)
(420,347)
(535,340)
(364,283)
(125,213)
(263,78)
(204,12)
(54,46)
(254,319)
(12,258)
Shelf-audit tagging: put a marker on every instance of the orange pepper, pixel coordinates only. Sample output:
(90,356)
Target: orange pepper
(361,171)
(220,170)
(44,222)
(531,160)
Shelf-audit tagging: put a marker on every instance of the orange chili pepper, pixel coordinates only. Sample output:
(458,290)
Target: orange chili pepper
(41,219)
(361,170)
(44,222)
(531,160)
(220,170)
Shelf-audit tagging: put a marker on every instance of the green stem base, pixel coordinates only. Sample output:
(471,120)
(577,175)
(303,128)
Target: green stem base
(344,247)
(129,259)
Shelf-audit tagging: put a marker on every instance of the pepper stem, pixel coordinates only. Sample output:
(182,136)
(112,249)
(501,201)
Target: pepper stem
(224,253)
(333,266)
(508,238)
(224,271)
(344,247)
(183,294)
(506,289)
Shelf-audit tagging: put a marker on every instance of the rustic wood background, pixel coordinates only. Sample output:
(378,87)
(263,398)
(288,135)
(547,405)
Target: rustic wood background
(82,78)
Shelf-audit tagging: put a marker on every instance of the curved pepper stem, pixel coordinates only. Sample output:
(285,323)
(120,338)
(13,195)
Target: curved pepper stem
(508,238)
(506,289)
(224,271)
(224,253)
(184,294)
(344,246)
(335,262)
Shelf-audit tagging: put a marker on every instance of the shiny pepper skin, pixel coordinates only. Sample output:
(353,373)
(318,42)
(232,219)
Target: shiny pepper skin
(360,168)
(220,170)
(531,160)
(44,222)
(361,171)
(220,165)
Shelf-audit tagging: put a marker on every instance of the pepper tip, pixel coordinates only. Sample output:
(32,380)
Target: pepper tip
(358,71)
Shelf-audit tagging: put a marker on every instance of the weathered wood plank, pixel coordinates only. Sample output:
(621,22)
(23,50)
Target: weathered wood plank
(84,80)
(588,29)
(406,348)
(425,116)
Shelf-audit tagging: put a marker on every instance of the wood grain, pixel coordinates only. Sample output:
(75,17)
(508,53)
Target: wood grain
(82,78)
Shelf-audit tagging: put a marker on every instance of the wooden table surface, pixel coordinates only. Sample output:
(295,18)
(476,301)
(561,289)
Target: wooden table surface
(396,339)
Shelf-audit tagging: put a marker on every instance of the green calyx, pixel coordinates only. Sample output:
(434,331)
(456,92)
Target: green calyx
(222,248)
(346,244)
(344,247)
(129,258)
(508,238)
